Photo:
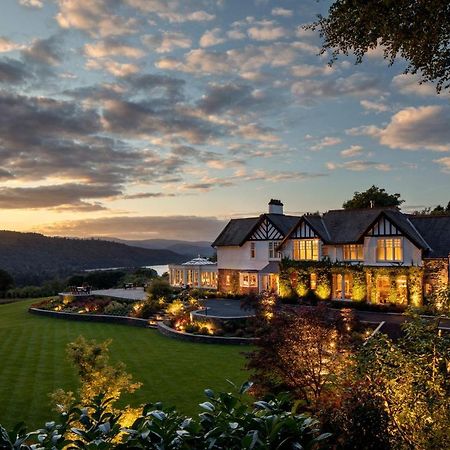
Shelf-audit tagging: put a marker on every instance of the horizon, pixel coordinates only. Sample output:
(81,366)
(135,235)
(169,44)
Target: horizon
(163,120)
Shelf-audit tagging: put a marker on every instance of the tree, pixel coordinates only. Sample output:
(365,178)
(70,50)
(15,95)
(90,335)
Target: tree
(436,211)
(302,352)
(411,378)
(417,30)
(6,281)
(374,196)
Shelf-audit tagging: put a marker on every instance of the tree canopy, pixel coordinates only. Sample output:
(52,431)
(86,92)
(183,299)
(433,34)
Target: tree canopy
(417,30)
(373,197)
(436,211)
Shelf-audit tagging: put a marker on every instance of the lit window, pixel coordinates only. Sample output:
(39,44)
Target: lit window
(252,250)
(313,281)
(248,280)
(353,252)
(306,249)
(228,280)
(389,249)
(273,254)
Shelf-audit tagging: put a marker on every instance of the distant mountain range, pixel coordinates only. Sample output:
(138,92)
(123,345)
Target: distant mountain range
(32,258)
(202,248)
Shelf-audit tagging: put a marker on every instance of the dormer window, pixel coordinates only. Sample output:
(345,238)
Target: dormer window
(306,249)
(354,252)
(390,249)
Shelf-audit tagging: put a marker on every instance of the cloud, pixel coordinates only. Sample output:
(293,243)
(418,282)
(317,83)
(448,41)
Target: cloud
(44,51)
(241,61)
(113,67)
(67,196)
(13,71)
(308,70)
(141,195)
(353,150)
(444,163)
(327,141)
(6,45)
(377,107)
(413,128)
(282,12)
(142,227)
(95,18)
(266,32)
(228,97)
(167,41)
(355,84)
(195,16)
(409,84)
(359,166)
(32,3)
(112,47)
(211,38)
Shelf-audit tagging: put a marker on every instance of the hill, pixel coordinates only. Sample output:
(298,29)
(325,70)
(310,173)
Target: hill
(187,248)
(32,258)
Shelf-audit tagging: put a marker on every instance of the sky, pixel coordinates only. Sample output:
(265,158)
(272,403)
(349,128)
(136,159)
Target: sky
(164,119)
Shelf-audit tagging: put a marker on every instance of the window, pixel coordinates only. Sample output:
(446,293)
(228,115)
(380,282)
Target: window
(273,254)
(228,280)
(248,280)
(252,250)
(353,252)
(342,285)
(389,249)
(306,249)
(313,281)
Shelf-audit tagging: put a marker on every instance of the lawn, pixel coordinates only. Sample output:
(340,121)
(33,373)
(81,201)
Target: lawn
(33,363)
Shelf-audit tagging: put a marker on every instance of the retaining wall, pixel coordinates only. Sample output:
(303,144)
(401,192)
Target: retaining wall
(170,332)
(121,320)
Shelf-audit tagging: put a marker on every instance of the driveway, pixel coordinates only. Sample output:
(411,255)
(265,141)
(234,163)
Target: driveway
(225,308)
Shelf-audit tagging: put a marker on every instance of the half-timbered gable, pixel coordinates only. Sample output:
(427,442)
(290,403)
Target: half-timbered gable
(384,227)
(303,231)
(266,231)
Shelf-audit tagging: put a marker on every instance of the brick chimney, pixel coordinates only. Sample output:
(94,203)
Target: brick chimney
(275,206)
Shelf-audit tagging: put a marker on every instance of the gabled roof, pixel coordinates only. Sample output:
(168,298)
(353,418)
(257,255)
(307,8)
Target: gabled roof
(237,231)
(436,232)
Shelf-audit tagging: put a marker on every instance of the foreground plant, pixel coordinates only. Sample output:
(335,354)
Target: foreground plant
(228,422)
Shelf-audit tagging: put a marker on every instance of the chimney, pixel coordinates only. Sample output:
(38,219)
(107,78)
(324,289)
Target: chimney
(275,206)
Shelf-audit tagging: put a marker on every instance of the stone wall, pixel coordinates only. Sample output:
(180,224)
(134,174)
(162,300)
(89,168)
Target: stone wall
(233,287)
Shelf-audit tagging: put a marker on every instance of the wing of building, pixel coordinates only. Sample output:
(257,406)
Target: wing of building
(374,254)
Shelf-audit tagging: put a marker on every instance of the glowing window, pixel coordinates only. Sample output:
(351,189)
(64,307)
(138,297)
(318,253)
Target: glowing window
(353,252)
(389,249)
(306,249)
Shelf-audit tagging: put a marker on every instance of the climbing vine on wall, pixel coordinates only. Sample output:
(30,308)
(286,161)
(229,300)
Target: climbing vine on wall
(295,278)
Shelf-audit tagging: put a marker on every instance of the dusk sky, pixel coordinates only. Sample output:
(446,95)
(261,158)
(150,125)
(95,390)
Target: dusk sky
(154,118)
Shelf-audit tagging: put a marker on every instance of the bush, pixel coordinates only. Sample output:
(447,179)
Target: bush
(191,328)
(160,288)
(115,308)
(149,308)
(227,422)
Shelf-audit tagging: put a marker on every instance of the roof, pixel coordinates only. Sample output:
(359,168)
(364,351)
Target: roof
(345,226)
(272,267)
(436,232)
(237,231)
(199,262)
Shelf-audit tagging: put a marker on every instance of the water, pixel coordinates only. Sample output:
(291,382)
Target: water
(160,269)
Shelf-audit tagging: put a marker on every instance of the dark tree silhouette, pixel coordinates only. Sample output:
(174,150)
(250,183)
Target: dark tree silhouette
(373,197)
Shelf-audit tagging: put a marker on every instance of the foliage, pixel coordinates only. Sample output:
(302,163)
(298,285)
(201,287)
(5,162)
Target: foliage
(411,379)
(160,288)
(227,422)
(418,31)
(439,300)
(150,307)
(116,308)
(373,197)
(303,352)
(6,281)
(436,211)
(97,376)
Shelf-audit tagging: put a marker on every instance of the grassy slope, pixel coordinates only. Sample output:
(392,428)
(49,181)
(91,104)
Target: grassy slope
(33,363)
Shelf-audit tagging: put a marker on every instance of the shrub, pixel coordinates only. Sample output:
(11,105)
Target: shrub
(160,288)
(191,327)
(115,308)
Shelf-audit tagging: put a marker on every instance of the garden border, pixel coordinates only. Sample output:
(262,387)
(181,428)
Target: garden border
(170,332)
(105,318)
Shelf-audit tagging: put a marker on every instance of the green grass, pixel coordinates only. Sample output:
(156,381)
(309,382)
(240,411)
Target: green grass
(33,363)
